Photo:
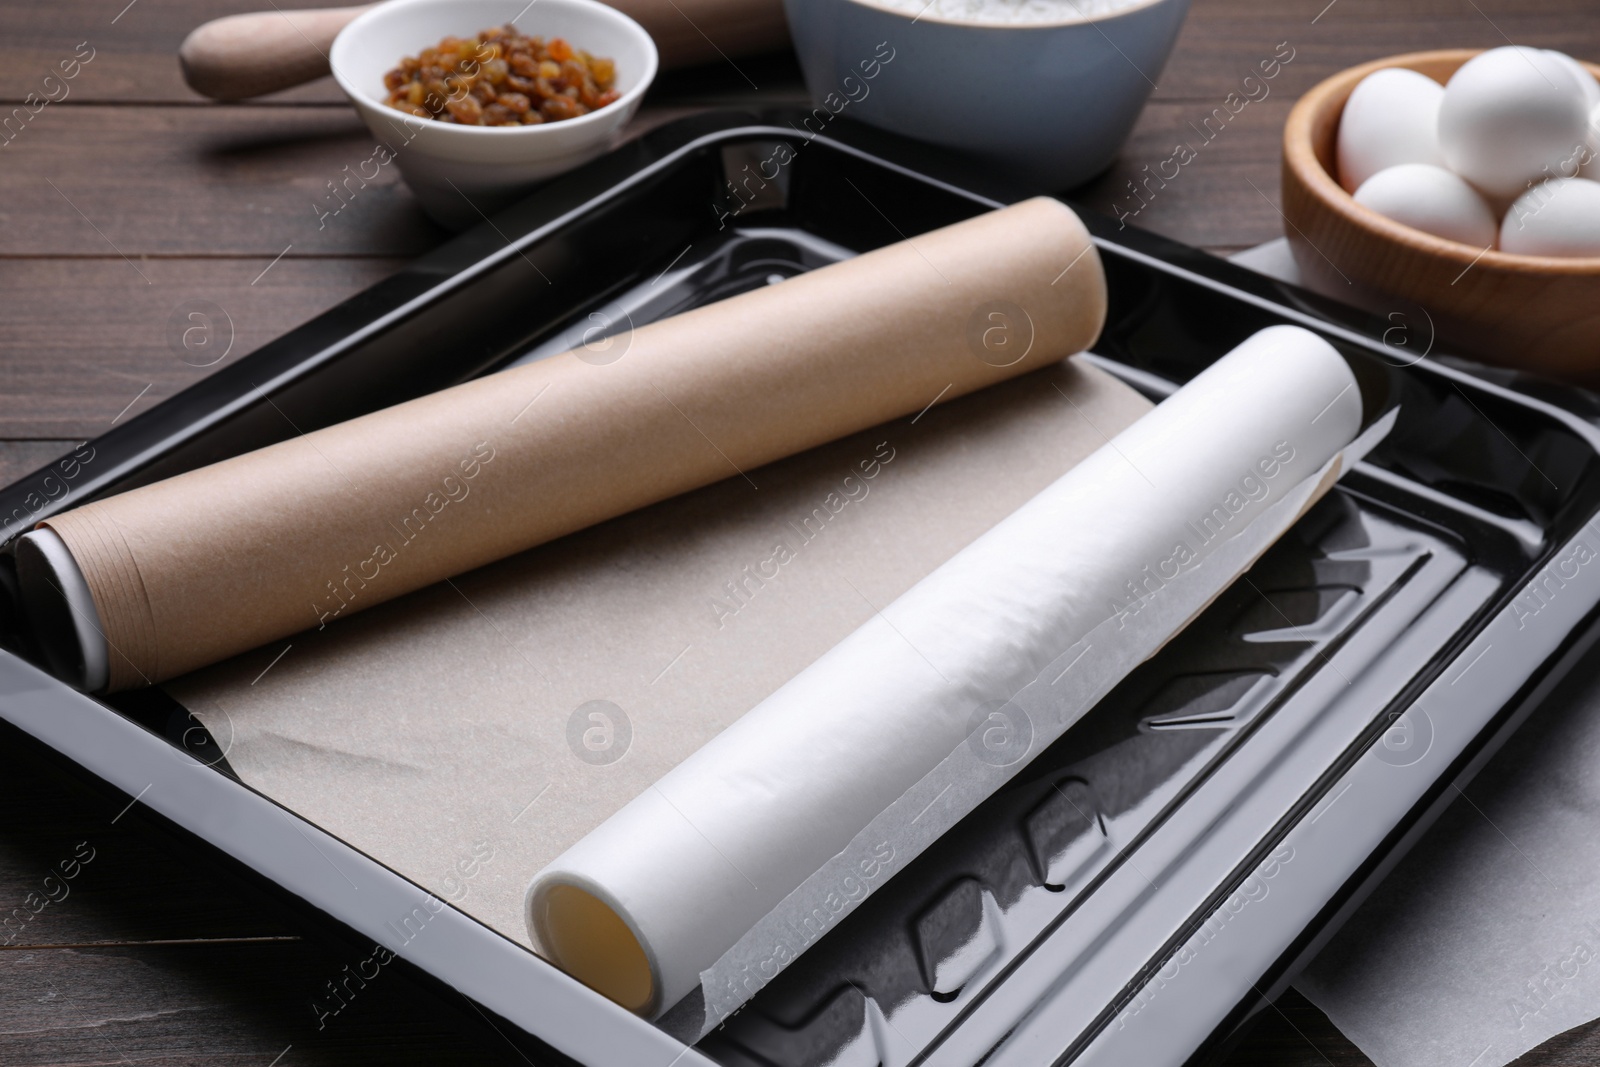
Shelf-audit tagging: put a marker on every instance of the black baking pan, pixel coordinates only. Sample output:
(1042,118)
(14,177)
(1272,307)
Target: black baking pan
(1153,877)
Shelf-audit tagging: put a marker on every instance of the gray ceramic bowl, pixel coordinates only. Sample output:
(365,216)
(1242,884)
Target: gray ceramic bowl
(1049,103)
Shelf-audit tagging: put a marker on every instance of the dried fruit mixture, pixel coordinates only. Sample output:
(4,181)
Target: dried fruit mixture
(501,78)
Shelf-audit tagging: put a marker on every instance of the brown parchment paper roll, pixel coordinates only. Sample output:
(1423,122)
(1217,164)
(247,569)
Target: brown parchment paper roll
(216,561)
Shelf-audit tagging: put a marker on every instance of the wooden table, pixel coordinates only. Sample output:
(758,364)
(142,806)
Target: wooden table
(130,198)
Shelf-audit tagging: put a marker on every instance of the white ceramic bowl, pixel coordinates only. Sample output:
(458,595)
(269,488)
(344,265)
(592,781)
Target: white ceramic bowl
(462,173)
(1049,103)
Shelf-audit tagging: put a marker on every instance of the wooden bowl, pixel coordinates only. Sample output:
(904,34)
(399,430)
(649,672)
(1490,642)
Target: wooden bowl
(1537,313)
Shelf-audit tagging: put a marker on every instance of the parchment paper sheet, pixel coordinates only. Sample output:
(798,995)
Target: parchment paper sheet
(450,733)
(1485,941)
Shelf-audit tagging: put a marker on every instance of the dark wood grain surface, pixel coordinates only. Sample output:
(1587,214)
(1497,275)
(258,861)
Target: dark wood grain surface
(131,198)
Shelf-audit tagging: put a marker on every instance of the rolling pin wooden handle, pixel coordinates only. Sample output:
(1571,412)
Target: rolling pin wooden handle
(242,56)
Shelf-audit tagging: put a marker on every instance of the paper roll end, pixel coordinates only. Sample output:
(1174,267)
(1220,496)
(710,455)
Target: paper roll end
(1082,281)
(61,611)
(589,940)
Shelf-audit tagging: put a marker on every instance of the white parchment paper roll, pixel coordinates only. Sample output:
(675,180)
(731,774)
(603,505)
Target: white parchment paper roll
(741,855)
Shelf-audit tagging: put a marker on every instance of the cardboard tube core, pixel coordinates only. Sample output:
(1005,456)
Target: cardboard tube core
(61,610)
(592,943)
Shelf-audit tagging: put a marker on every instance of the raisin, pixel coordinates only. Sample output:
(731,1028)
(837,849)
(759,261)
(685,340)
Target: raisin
(560,107)
(466,111)
(516,103)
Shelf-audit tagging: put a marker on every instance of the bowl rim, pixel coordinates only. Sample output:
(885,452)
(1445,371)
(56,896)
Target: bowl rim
(599,116)
(1300,157)
(975,24)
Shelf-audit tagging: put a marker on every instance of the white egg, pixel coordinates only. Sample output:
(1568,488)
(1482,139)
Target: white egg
(1511,116)
(1591,163)
(1392,117)
(1560,217)
(1585,164)
(1591,88)
(1430,199)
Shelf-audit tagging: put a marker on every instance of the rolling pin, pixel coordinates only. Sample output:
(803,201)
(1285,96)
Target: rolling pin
(241,56)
